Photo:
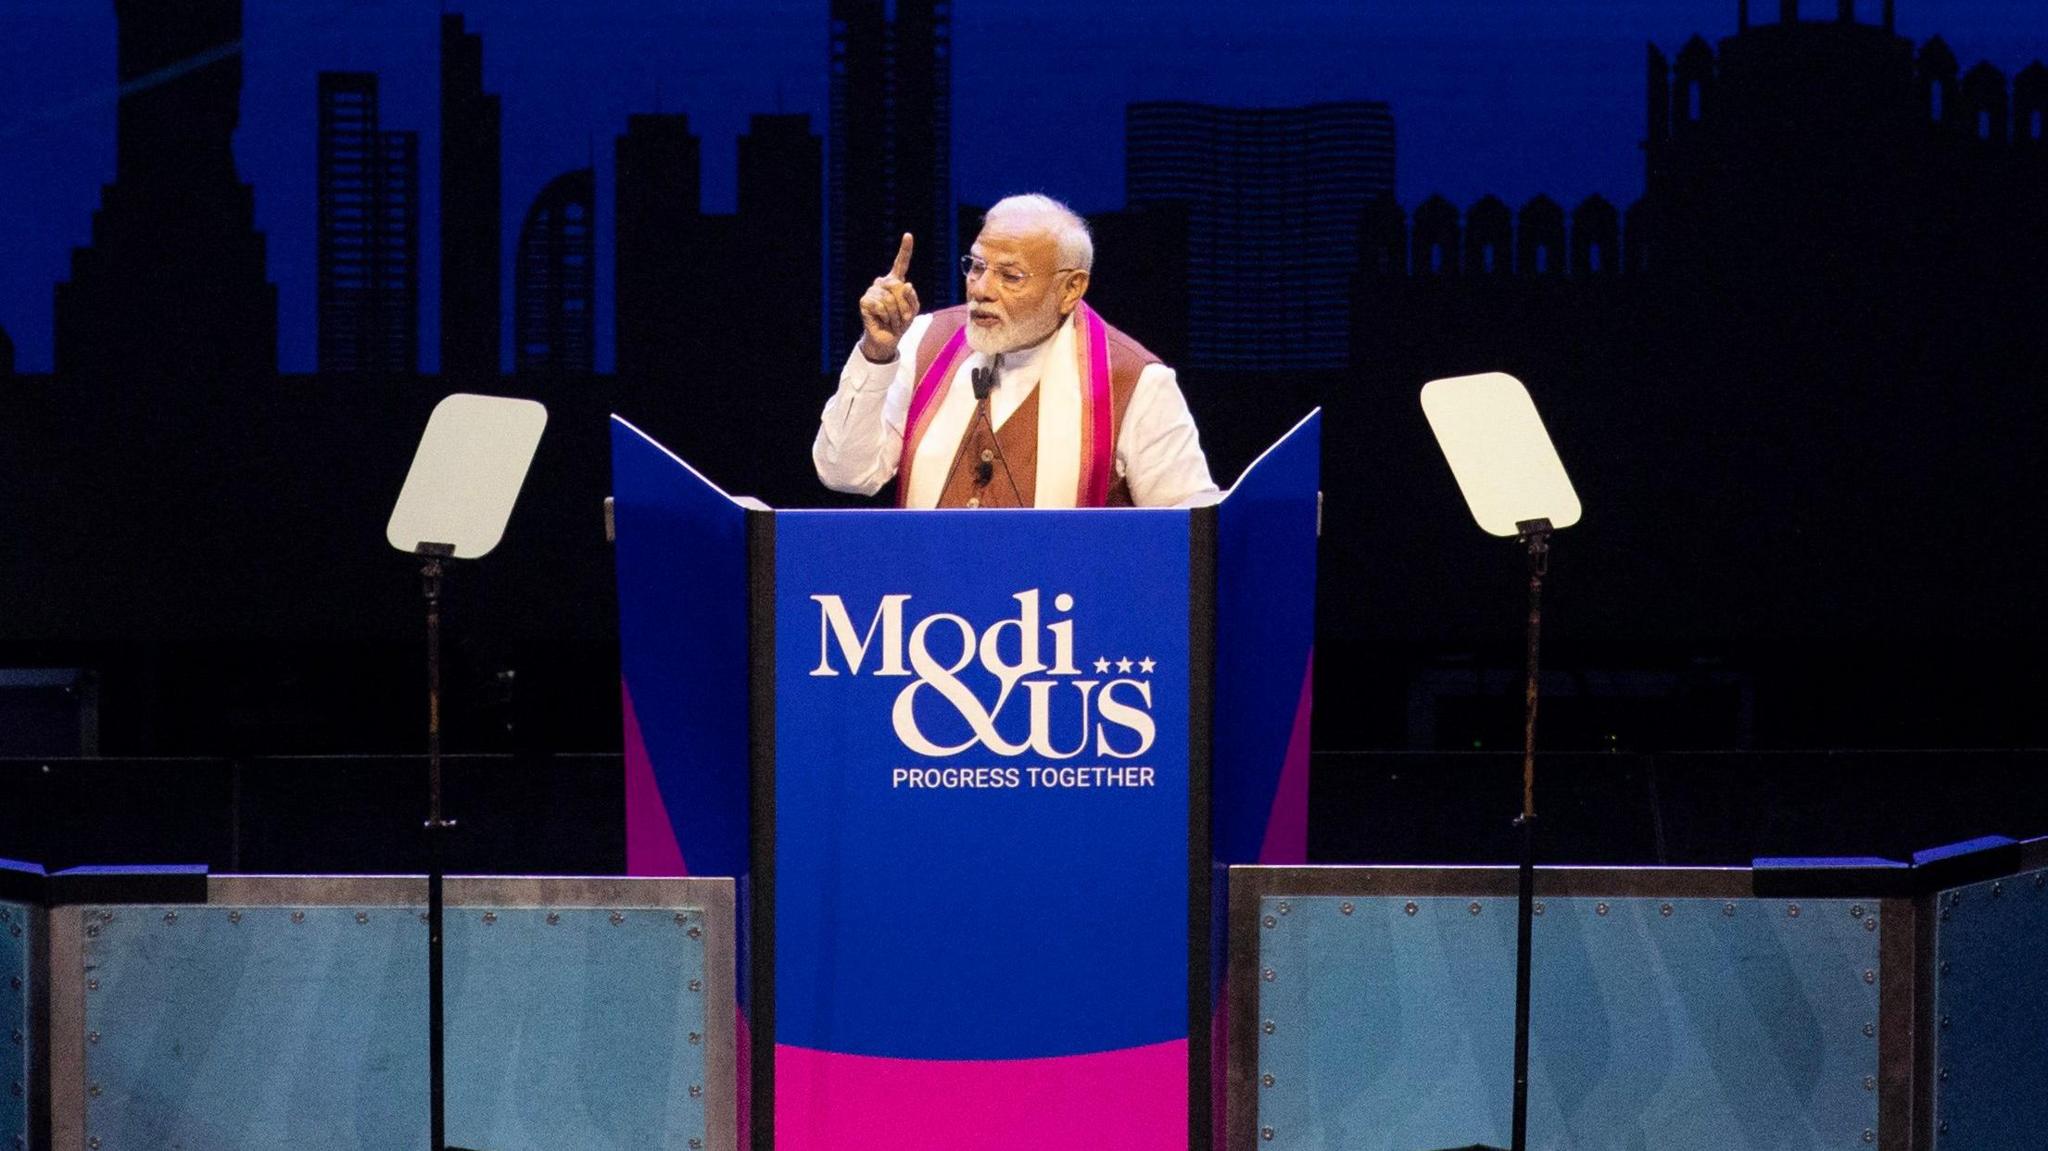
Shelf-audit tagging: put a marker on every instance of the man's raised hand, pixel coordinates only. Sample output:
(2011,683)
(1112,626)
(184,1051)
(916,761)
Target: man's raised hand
(887,308)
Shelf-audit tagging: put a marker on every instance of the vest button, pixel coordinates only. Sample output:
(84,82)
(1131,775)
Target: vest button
(973,501)
(987,454)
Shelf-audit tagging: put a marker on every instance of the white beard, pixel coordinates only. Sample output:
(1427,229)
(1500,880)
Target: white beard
(1014,333)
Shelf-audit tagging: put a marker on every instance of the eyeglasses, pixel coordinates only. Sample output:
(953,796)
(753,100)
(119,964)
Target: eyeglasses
(1010,278)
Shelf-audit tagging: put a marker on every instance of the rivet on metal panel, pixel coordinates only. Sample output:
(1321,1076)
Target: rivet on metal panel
(1944,1023)
(695,1143)
(1870,1031)
(554,918)
(106,917)
(1271,922)
(1537,907)
(1998,888)
(1473,907)
(1409,907)
(696,1037)
(1285,907)
(362,917)
(1869,975)
(234,917)
(1728,910)
(1791,911)
(618,917)
(1599,909)
(1954,897)
(92,1037)
(696,1090)
(93,1143)
(2041,879)
(1856,912)
(1944,915)
(1665,911)
(1870,924)
(1870,1082)
(93,1091)
(93,931)
(696,985)
(1267,975)
(696,933)
(5,915)
(490,918)
(170,917)
(1943,1075)
(1267,1027)
(90,984)
(1944,967)
(1346,907)
(298,917)
(1869,1136)
(682,920)
(1267,1079)
(1944,1127)
(1266,1133)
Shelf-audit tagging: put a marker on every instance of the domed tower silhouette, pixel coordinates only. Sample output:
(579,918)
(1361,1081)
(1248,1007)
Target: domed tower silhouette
(1800,150)
(173,284)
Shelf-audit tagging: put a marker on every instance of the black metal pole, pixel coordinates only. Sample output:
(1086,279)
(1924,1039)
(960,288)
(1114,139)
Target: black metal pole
(1536,535)
(437,828)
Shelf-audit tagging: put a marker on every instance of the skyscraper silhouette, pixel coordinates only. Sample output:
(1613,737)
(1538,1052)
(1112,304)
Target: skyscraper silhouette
(1274,197)
(657,244)
(174,281)
(369,213)
(781,169)
(889,154)
(555,278)
(470,209)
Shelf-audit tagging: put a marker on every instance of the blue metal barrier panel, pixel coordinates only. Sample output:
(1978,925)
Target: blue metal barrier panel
(1388,1023)
(227,1027)
(576,1027)
(251,1027)
(1991,997)
(17,943)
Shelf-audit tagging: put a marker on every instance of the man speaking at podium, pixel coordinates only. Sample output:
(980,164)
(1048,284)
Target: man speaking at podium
(1022,397)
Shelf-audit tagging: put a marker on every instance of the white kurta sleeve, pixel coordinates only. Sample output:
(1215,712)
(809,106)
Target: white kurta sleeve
(860,433)
(1158,451)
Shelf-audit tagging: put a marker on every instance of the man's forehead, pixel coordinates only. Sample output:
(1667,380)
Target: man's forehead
(998,242)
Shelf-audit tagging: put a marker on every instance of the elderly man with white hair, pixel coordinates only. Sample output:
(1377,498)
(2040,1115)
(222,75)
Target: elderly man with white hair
(1022,397)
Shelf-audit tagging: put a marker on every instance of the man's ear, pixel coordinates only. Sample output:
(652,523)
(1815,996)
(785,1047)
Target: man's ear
(1071,293)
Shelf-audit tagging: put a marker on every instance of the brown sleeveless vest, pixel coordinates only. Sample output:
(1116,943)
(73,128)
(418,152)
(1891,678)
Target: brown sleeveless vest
(1016,442)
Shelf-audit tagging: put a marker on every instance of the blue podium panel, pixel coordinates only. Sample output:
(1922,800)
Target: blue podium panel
(1991,997)
(1388,1022)
(17,1029)
(981,839)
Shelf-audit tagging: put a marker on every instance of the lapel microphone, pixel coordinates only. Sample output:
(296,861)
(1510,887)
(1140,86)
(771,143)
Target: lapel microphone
(985,379)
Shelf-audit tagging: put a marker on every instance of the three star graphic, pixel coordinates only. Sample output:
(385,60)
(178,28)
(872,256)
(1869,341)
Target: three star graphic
(1124,666)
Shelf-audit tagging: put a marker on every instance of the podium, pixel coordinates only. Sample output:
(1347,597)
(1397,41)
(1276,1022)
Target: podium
(979,775)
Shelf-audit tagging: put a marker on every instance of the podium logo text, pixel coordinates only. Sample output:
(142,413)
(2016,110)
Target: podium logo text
(1067,709)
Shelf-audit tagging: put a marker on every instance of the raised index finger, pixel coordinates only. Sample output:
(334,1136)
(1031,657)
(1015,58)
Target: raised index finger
(902,266)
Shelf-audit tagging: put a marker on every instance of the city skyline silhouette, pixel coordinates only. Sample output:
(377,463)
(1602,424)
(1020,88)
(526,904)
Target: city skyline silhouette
(1482,111)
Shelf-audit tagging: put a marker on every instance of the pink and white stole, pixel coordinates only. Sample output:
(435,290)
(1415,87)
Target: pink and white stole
(1090,406)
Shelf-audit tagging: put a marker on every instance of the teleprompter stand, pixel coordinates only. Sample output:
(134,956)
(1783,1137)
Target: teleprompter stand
(465,477)
(1515,486)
